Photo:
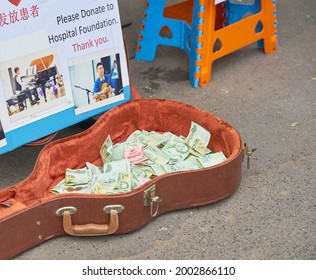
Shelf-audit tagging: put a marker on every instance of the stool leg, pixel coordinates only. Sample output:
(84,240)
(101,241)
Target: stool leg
(205,30)
(149,30)
(270,21)
(154,26)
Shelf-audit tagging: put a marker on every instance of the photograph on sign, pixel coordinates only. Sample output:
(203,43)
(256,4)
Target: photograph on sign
(3,141)
(58,62)
(96,80)
(32,84)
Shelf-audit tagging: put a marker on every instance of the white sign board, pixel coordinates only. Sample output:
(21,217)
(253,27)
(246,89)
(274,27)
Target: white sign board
(60,62)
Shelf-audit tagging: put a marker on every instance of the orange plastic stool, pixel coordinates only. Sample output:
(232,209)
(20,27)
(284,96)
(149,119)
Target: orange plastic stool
(205,31)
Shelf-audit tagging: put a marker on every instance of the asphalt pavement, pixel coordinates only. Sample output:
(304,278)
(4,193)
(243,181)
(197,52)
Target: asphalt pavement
(271,100)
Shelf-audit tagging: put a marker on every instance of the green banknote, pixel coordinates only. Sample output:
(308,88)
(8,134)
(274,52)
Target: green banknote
(212,159)
(144,156)
(176,149)
(198,138)
(106,150)
(77,176)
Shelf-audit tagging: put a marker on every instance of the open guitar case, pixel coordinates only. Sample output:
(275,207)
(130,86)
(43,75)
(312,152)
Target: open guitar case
(31,214)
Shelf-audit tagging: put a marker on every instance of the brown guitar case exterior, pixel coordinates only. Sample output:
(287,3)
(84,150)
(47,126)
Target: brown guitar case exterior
(31,214)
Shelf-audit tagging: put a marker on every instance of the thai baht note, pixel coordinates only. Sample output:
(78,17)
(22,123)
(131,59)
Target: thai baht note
(104,183)
(124,182)
(188,164)
(212,159)
(122,165)
(118,151)
(176,149)
(198,138)
(135,154)
(61,188)
(93,170)
(77,176)
(106,150)
(156,155)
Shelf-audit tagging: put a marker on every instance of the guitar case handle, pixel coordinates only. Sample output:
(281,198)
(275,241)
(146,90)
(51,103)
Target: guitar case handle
(91,229)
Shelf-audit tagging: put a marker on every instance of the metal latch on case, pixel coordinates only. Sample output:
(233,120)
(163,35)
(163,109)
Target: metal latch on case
(151,199)
(248,153)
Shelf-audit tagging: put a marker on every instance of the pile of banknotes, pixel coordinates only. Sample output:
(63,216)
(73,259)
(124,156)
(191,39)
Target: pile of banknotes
(142,157)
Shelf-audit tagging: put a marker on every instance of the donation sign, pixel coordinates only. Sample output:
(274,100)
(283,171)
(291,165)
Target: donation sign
(61,62)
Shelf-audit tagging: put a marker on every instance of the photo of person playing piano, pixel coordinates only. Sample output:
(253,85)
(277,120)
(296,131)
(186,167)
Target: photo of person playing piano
(32,87)
(20,88)
(23,95)
(102,87)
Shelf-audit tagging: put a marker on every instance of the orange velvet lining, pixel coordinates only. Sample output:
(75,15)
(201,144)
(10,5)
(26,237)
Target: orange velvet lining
(73,152)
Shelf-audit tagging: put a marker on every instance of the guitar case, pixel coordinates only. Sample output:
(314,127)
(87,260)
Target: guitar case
(31,214)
